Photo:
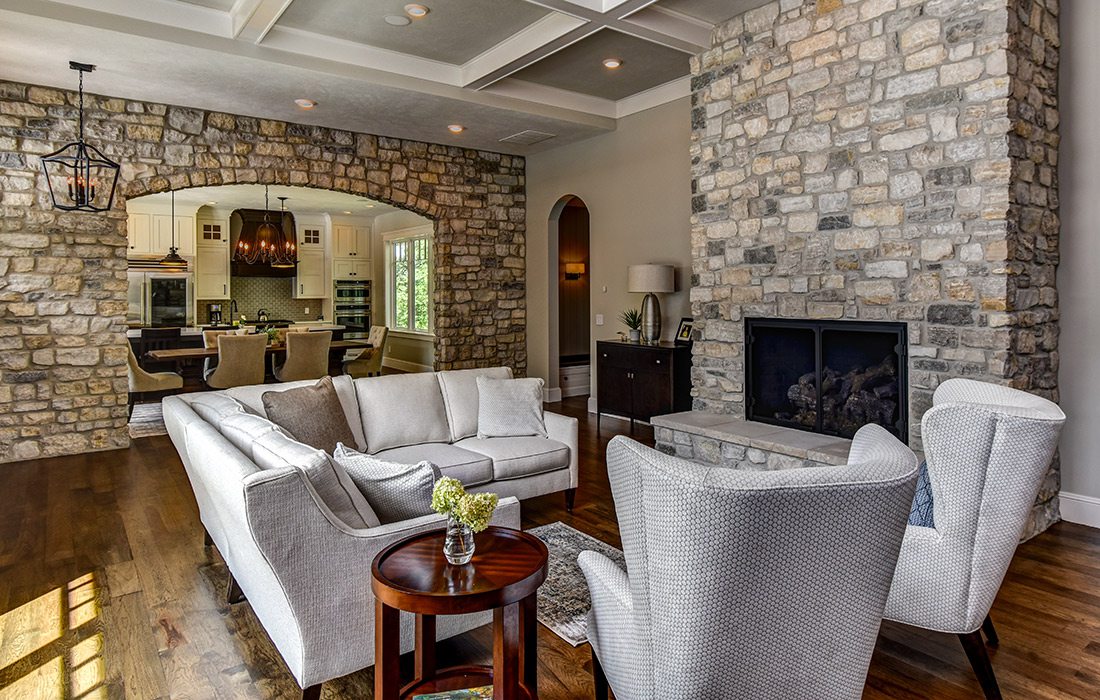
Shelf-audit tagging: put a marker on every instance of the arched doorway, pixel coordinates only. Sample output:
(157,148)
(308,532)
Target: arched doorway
(570,298)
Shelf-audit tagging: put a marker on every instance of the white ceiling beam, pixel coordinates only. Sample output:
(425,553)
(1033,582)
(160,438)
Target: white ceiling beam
(694,32)
(515,48)
(534,92)
(534,55)
(196,17)
(253,19)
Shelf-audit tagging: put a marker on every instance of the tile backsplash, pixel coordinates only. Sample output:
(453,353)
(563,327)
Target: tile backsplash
(272,293)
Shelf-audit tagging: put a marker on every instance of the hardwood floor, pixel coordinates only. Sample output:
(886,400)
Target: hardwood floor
(106,591)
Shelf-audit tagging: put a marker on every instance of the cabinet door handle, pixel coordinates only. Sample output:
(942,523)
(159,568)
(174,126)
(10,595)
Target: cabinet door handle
(224,290)
(301,289)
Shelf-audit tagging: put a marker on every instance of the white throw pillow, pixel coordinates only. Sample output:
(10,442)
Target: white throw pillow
(509,408)
(394,491)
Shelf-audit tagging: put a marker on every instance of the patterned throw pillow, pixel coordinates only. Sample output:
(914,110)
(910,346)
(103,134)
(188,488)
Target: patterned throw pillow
(920,514)
(394,491)
(509,408)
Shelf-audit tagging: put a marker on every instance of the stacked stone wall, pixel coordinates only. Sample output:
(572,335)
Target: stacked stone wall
(63,275)
(880,160)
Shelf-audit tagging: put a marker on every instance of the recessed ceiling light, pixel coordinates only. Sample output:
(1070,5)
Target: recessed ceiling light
(397,20)
(347,212)
(416,10)
(455,128)
(612,63)
(370,206)
(305,103)
(211,203)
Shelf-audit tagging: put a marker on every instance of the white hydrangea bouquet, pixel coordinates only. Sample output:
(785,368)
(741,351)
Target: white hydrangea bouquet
(467,513)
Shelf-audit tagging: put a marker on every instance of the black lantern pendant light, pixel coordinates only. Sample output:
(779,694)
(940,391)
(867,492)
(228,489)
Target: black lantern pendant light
(80,177)
(173,258)
(268,243)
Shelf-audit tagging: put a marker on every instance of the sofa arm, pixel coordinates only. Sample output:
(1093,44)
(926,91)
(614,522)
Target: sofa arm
(565,429)
(323,604)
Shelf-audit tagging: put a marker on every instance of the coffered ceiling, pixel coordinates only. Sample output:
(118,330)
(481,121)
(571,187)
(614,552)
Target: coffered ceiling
(498,67)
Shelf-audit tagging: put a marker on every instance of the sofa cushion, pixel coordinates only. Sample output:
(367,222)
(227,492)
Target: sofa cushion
(459,389)
(242,429)
(312,414)
(274,450)
(509,408)
(401,409)
(468,467)
(212,407)
(395,491)
(517,457)
(252,398)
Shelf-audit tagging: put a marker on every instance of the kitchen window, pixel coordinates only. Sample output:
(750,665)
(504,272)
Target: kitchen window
(409,281)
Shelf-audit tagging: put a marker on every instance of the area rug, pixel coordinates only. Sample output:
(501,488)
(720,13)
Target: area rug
(147,421)
(563,600)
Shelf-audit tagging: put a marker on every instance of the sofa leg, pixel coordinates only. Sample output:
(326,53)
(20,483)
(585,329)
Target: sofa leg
(990,632)
(130,407)
(570,499)
(979,660)
(313,692)
(207,540)
(598,678)
(233,593)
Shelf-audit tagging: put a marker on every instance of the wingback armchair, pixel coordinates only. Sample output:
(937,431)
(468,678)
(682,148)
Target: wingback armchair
(987,449)
(747,584)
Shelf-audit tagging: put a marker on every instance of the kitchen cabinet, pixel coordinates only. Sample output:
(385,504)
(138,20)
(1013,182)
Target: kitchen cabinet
(162,234)
(311,236)
(351,241)
(213,232)
(151,234)
(351,269)
(638,381)
(139,232)
(309,281)
(212,272)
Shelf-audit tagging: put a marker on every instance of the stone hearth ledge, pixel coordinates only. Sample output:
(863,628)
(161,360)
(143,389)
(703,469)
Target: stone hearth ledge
(727,441)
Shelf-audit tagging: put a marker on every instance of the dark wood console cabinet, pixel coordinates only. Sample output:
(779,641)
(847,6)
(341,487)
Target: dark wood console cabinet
(638,381)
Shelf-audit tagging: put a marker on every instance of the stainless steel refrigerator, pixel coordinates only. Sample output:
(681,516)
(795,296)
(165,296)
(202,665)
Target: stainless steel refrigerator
(160,299)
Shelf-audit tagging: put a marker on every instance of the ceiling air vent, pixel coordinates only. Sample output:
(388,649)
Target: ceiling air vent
(527,138)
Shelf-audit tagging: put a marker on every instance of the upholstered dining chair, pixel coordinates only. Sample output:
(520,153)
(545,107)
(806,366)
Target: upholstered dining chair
(240,361)
(210,342)
(306,356)
(747,584)
(987,450)
(369,361)
(142,383)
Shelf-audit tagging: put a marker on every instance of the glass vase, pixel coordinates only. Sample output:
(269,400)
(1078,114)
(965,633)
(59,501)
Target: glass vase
(458,545)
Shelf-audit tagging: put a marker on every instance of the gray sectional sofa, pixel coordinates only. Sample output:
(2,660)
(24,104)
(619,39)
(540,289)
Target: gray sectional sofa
(281,517)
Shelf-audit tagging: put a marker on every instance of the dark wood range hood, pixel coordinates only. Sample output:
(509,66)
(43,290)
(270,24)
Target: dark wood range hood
(247,221)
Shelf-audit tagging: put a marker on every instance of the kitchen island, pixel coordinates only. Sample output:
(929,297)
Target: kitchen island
(195,331)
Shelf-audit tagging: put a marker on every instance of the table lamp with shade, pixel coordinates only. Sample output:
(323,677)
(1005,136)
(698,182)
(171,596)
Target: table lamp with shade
(651,280)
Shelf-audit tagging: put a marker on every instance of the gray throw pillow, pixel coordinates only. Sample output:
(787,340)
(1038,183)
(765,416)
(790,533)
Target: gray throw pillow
(509,408)
(311,414)
(394,491)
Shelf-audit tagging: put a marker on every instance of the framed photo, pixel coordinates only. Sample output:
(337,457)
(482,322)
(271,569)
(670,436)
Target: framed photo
(683,333)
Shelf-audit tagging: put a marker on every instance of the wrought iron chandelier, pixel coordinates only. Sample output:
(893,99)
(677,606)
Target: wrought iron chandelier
(79,176)
(267,244)
(173,258)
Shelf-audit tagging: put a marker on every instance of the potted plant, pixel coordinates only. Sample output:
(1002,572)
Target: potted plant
(466,513)
(632,319)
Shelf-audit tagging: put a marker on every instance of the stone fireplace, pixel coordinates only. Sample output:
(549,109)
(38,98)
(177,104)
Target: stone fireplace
(880,161)
(829,377)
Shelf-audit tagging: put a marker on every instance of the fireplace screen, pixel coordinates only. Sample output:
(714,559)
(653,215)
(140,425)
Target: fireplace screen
(829,377)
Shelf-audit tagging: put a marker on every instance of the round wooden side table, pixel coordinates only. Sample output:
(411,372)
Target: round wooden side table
(412,575)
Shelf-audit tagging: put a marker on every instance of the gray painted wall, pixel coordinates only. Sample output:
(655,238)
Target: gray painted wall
(1078,278)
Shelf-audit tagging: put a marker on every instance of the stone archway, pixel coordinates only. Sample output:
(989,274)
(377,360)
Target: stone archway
(67,375)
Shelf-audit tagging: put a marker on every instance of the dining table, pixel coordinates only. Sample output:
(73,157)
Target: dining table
(186,359)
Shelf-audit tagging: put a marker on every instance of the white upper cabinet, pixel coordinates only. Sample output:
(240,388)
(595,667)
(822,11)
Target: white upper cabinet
(351,241)
(213,232)
(212,272)
(139,231)
(309,280)
(162,234)
(311,236)
(350,269)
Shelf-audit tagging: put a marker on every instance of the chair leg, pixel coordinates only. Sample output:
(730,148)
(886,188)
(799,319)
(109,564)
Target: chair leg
(979,660)
(313,692)
(570,499)
(598,678)
(990,632)
(233,593)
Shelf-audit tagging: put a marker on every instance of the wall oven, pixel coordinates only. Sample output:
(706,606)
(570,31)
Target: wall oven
(352,307)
